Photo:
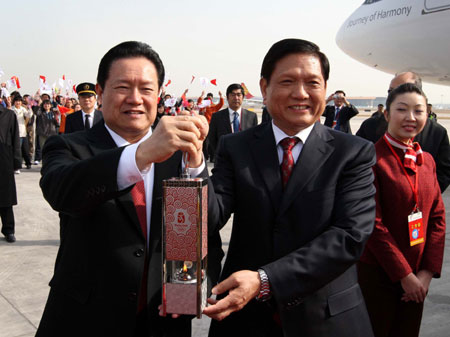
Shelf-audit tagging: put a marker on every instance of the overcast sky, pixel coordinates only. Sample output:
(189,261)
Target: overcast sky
(224,40)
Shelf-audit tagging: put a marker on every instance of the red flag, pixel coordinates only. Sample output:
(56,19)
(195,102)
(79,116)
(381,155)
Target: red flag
(193,77)
(64,77)
(184,100)
(16,79)
(42,78)
(168,82)
(74,90)
(214,81)
(62,109)
(247,93)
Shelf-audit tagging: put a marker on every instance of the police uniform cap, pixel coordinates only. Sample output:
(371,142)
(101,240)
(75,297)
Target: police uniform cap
(86,88)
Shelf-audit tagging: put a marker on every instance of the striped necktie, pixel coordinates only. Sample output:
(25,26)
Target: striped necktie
(287,164)
(236,122)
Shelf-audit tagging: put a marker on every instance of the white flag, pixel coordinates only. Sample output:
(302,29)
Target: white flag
(170,102)
(203,82)
(10,83)
(205,103)
(5,92)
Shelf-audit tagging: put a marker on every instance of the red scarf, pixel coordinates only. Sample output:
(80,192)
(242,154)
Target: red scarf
(413,152)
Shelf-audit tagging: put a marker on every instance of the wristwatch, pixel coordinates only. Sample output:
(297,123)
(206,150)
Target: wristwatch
(264,290)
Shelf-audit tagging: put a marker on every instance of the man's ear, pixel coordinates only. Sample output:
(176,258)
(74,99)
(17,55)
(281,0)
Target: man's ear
(99,91)
(263,88)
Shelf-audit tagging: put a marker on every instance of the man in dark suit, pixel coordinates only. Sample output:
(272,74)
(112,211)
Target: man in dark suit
(433,138)
(88,115)
(298,229)
(373,128)
(107,278)
(230,120)
(10,160)
(338,116)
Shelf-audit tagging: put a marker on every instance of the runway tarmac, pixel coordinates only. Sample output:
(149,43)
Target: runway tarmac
(27,265)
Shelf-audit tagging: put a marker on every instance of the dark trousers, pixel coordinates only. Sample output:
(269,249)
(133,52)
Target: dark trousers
(24,147)
(37,149)
(7,216)
(390,316)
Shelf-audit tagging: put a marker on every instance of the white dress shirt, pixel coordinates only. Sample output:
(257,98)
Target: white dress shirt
(231,112)
(91,119)
(297,149)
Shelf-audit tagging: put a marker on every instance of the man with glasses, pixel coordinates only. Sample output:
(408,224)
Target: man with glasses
(232,119)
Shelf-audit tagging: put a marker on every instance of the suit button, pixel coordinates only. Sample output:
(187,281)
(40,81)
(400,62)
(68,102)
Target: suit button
(139,252)
(132,296)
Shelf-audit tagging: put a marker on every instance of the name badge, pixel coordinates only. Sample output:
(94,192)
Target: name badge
(416,232)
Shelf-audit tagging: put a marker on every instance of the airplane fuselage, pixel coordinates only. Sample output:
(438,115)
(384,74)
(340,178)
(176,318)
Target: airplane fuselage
(401,35)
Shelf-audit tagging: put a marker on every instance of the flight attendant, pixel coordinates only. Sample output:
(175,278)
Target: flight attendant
(405,250)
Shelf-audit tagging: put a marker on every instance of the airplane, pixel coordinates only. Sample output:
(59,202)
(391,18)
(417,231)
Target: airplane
(400,35)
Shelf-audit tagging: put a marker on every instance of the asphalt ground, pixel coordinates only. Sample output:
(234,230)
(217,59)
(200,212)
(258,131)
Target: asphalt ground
(26,266)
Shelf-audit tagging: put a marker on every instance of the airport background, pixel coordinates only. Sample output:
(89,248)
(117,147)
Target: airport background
(226,41)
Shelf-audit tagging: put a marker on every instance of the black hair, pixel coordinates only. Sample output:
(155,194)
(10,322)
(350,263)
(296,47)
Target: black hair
(292,46)
(403,89)
(129,49)
(17,98)
(209,94)
(339,92)
(233,87)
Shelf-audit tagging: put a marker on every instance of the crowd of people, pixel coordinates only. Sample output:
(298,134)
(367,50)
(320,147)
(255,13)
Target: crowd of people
(331,234)
(38,117)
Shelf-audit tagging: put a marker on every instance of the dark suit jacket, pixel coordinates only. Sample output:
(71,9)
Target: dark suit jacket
(100,262)
(220,125)
(10,156)
(373,128)
(75,122)
(432,139)
(346,113)
(306,238)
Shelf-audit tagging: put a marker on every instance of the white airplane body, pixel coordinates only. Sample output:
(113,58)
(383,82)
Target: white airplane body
(401,35)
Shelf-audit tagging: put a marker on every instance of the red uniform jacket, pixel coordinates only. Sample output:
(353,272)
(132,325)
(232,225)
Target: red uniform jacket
(389,245)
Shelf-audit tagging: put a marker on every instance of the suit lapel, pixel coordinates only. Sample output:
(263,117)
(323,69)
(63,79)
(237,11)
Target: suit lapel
(80,121)
(100,140)
(314,154)
(265,155)
(244,120)
(226,120)
(97,116)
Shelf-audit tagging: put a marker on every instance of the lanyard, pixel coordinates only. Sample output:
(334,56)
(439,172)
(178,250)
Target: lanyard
(415,188)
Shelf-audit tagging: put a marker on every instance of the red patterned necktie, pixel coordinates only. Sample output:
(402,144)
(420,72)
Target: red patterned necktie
(288,160)
(138,195)
(413,152)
